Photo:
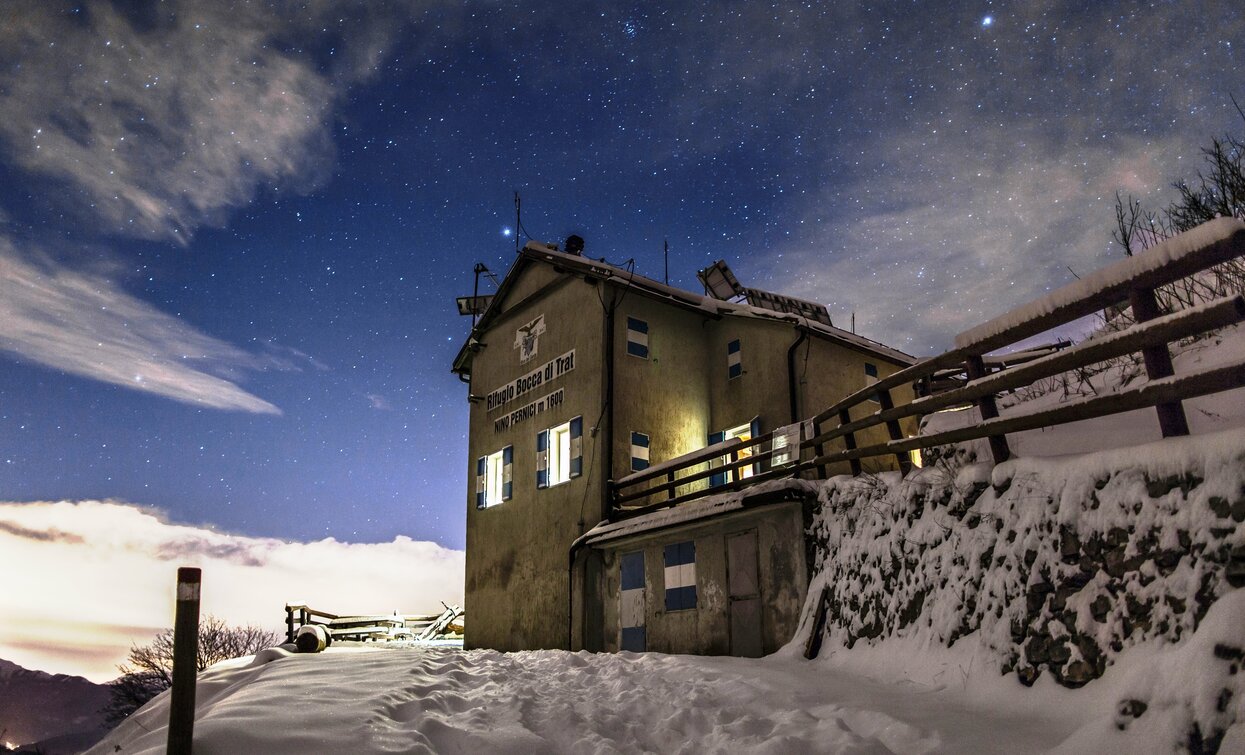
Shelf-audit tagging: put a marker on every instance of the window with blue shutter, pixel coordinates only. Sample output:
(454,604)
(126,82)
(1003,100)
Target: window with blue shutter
(542,459)
(495,478)
(871,377)
(481,477)
(718,478)
(734,360)
(637,338)
(560,453)
(639,451)
(577,447)
(680,560)
(507,473)
(631,603)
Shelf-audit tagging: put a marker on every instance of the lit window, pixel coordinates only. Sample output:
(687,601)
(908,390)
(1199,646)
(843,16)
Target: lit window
(559,453)
(744,433)
(494,478)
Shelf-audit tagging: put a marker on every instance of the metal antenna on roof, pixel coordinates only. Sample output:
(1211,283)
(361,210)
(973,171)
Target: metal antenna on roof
(518,222)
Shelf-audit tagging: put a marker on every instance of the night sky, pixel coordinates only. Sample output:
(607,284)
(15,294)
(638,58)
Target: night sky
(231,235)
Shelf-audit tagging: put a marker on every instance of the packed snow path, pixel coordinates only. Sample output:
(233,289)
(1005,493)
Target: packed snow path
(361,700)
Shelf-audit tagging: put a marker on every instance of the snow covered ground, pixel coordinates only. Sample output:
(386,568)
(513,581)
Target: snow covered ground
(890,698)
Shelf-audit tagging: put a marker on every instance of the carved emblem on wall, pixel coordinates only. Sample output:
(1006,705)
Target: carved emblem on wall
(527,338)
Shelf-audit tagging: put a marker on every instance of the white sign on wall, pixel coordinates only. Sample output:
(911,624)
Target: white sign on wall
(525,384)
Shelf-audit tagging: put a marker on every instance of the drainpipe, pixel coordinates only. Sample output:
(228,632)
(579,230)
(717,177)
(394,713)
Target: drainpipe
(792,386)
(605,432)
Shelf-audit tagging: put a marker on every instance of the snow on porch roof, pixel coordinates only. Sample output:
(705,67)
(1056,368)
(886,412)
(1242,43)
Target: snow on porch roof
(710,506)
(711,307)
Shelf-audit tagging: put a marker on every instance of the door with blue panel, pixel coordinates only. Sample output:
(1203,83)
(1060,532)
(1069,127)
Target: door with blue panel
(631,603)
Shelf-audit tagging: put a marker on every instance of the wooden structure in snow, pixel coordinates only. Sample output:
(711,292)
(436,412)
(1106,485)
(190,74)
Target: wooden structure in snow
(395,626)
(806,448)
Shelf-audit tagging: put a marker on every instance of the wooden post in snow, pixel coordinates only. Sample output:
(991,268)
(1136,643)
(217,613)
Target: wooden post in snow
(1158,361)
(975,369)
(185,668)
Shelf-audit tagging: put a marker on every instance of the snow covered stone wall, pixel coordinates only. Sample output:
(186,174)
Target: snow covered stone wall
(1056,565)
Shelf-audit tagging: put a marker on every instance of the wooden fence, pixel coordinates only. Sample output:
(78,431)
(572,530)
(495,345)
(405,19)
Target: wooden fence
(1132,280)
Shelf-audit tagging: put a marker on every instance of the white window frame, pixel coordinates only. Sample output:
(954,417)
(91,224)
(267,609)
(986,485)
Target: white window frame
(560,454)
(494,476)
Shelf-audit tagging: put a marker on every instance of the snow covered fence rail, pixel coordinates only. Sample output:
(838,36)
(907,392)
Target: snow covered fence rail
(1133,280)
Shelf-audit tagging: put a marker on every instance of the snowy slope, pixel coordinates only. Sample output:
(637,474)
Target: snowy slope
(902,700)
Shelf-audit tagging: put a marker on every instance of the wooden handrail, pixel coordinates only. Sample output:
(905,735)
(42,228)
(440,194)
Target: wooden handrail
(1209,244)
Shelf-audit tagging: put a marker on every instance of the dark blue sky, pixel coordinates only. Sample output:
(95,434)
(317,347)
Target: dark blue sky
(231,235)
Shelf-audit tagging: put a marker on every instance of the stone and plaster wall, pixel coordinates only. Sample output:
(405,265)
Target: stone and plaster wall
(1058,565)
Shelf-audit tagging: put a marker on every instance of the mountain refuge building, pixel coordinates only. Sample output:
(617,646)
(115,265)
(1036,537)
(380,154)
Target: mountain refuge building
(583,374)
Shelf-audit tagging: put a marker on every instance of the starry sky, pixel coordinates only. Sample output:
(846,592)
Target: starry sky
(231,234)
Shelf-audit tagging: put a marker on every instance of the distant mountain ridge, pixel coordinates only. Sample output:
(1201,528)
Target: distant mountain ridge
(59,712)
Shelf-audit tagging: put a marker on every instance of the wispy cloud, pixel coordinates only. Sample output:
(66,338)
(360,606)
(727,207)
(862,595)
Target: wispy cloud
(85,324)
(149,122)
(115,566)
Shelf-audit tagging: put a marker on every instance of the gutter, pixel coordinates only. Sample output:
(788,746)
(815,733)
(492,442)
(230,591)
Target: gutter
(792,386)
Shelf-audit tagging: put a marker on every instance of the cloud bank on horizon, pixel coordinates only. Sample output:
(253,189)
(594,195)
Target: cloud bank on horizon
(149,123)
(86,580)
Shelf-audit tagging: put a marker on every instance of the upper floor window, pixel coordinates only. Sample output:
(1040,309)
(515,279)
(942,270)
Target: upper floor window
(871,377)
(495,478)
(734,360)
(559,453)
(637,338)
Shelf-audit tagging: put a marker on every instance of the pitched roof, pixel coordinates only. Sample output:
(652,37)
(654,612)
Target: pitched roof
(536,252)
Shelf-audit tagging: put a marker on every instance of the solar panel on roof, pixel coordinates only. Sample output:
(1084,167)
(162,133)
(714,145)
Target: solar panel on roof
(720,282)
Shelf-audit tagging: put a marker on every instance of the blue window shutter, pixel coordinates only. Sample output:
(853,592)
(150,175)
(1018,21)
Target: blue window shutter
(754,429)
(871,377)
(734,360)
(633,570)
(481,467)
(577,446)
(632,604)
(718,478)
(637,338)
(633,639)
(680,575)
(542,459)
(639,452)
(507,473)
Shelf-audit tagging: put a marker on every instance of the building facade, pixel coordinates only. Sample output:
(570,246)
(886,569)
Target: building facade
(582,373)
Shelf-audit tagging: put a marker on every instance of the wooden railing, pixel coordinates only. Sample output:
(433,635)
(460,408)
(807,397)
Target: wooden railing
(1133,280)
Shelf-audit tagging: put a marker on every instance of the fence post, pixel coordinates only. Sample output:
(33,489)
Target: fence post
(849,441)
(670,479)
(975,368)
(185,668)
(1158,362)
(289,623)
(885,403)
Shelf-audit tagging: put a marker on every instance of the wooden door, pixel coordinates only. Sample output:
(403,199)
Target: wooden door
(745,594)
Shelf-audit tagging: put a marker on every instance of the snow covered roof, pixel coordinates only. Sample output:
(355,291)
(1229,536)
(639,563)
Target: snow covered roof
(761,494)
(706,305)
